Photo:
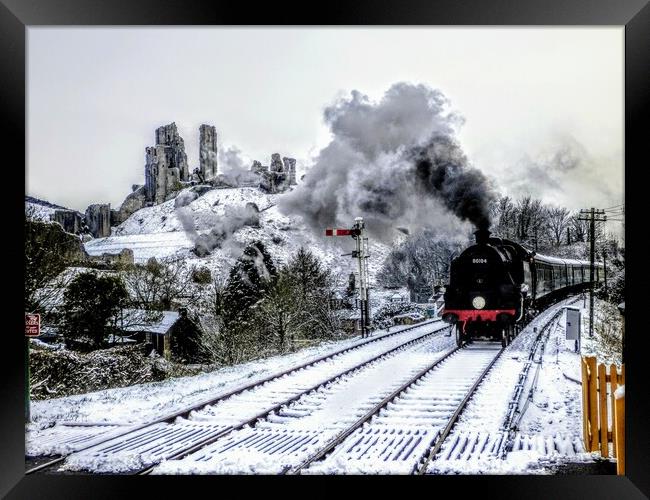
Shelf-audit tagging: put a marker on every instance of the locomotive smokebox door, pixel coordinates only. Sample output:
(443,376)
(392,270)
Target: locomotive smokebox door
(573,325)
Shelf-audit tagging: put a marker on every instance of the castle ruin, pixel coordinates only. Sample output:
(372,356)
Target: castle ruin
(70,220)
(279,176)
(207,152)
(166,172)
(98,220)
(166,165)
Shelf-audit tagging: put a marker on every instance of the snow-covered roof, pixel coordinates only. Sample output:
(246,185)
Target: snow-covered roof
(570,262)
(159,327)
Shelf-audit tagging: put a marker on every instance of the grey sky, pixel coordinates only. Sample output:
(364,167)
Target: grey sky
(95,97)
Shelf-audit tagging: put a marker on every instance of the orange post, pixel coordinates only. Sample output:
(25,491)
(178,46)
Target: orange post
(602,410)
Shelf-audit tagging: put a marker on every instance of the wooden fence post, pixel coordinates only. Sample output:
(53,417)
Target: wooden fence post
(585,404)
(602,407)
(593,403)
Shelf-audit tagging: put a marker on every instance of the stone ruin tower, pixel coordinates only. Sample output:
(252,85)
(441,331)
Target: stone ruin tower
(207,152)
(166,165)
(70,220)
(278,176)
(98,220)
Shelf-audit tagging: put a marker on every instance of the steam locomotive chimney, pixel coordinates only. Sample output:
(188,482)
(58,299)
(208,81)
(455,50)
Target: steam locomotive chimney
(482,236)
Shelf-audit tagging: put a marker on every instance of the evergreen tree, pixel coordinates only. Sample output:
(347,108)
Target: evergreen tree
(297,305)
(47,252)
(307,272)
(90,305)
(252,275)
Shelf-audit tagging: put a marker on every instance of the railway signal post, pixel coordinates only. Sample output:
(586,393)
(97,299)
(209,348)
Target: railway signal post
(361,254)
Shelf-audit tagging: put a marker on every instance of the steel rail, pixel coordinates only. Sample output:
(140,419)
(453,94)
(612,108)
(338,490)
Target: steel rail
(187,410)
(339,438)
(268,411)
(454,418)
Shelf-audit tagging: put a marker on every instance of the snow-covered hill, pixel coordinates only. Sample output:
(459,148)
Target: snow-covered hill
(158,232)
(40,209)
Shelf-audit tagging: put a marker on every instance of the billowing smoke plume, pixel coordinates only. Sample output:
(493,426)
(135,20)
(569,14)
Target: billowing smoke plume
(441,172)
(396,163)
(233,168)
(222,228)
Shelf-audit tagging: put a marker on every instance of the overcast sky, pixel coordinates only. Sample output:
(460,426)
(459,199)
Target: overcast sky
(543,107)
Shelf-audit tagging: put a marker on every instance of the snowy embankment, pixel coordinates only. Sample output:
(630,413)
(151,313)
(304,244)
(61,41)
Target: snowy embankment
(158,232)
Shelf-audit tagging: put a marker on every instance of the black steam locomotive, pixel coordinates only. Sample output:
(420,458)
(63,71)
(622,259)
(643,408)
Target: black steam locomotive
(497,285)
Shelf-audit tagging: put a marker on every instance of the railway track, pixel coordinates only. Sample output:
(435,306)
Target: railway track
(401,433)
(398,428)
(489,430)
(188,429)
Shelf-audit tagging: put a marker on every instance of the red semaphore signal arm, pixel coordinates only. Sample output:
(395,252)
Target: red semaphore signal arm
(338,232)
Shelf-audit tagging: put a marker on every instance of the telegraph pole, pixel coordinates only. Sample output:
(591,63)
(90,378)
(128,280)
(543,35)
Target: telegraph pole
(605,268)
(592,215)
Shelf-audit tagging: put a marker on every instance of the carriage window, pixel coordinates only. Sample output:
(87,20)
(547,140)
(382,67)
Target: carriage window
(527,277)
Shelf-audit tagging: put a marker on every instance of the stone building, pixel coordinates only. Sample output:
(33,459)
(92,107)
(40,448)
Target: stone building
(290,168)
(207,152)
(124,256)
(165,165)
(70,220)
(98,220)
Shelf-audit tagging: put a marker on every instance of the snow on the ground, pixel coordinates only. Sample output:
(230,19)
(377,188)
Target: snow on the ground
(41,209)
(326,412)
(158,231)
(550,430)
(147,402)
(144,246)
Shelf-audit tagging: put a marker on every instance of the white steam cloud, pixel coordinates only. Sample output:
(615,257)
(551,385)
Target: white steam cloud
(396,163)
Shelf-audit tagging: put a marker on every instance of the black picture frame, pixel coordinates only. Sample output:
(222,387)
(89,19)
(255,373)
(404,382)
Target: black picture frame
(17,15)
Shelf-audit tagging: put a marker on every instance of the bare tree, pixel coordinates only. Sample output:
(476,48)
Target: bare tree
(579,228)
(559,220)
(503,215)
(422,259)
(158,283)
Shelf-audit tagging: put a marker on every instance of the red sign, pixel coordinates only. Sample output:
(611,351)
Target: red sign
(338,232)
(32,325)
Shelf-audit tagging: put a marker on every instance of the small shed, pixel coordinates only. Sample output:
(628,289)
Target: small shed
(350,320)
(397,298)
(173,334)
